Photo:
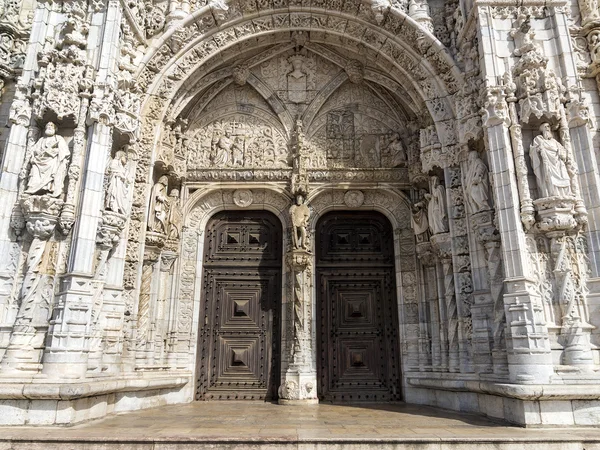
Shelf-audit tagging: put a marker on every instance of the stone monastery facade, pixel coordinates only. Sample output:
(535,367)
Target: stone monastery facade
(301,201)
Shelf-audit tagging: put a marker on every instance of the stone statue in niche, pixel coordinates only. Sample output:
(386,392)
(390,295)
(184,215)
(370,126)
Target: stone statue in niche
(297,82)
(396,152)
(175,219)
(117,193)
(159,207)
(48,164)
(548,159)
(437,215)
(418,219)
(477,184)
(300,215)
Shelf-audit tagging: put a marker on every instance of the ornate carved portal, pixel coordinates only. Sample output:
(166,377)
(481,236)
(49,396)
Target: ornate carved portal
(240,307)
(357,310)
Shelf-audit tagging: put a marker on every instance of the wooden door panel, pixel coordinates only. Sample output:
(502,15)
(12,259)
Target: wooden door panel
(240,335)
(357,318)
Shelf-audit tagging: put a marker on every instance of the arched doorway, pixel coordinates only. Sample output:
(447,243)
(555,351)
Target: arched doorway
(357,316)
(239,335)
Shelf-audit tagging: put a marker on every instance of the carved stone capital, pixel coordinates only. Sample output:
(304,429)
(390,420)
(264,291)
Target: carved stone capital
(442,245)
(109,230)
(483,223)
(299,260)
(425,253)
(555,215)
(41,213)
(167,259)
(154,239)
(495,109)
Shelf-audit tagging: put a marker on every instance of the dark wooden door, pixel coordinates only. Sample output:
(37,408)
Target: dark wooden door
(240,307)
(357,316)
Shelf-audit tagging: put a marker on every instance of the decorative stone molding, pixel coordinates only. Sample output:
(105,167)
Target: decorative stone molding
(354,199)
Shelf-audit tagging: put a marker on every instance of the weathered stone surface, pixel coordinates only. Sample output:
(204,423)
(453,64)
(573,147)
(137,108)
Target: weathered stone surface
(132,124)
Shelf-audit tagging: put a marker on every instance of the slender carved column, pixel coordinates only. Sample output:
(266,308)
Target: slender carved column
(516,137)
(442,245)
(441,304)
(299,383)
(429,339)
(161,313)
(300,380)
(143,344)
(488,236)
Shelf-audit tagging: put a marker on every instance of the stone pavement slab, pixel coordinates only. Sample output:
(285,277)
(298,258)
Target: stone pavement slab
(247,425)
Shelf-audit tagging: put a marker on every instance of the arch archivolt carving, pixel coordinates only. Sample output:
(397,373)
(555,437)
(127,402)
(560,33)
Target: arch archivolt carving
(390,202)
(432,73)
(204,203)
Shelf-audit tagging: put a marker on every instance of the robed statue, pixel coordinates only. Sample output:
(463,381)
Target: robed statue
(300,215)
(159,207)
(117,193)
(175,218)
(477,184)
(48,164)
(437,215)
(548,159)
(418,219)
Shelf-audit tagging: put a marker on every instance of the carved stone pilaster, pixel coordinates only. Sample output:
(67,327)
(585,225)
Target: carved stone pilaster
(26,342)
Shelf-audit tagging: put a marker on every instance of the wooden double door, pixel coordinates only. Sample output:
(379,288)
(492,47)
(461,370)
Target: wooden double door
(239,330)
(357,318)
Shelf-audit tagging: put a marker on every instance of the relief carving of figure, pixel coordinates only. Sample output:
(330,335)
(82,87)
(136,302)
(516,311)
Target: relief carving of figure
(48,164)
(159,207)
(221,149)
(418,219)
(175,218)
(300,215)
(396,151)
(117,193)
(296,80)
(238,151)
(477,184)
(548,159)
(436,211)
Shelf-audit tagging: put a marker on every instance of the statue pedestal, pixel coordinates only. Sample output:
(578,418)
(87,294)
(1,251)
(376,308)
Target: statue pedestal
(555,214)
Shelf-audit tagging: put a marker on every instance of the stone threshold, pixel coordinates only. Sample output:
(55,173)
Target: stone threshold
(365,443)
(36,389)
(583,391)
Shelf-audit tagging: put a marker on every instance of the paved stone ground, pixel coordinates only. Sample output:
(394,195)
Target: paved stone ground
(243,425)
